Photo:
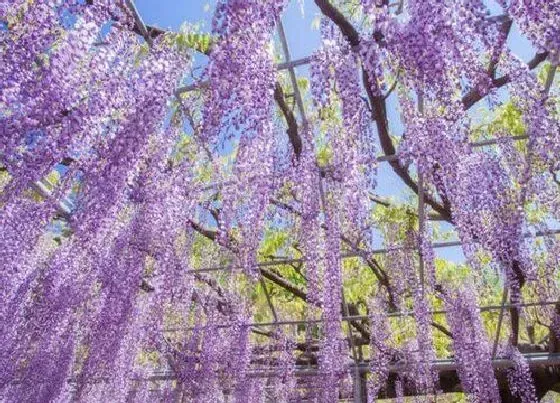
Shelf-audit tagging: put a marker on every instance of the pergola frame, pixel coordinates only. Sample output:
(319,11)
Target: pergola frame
(64,209)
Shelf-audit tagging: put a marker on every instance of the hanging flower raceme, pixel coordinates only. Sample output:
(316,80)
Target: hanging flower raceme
(433,142)
(212,362)
(482,206)
(61,307)
(539,116)
(426,379)
(284,381)
(88,123)
(48,106)
(120,276)
(117,161)
(239,104)
(471,348)
(519,377)
(333,355)
(538,21)
(245,201)
(379,348)
(159,197)
(241,71)
(353,161)
(27,250)
(434,42)
(372,47)
(402,244)
(306,177)
(121,385)
(485,213)
(189,363)
(241,359)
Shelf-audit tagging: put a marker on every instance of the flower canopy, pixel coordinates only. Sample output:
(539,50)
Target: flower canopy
(195,216)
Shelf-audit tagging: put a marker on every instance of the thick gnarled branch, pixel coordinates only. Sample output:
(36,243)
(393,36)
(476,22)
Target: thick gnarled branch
(292,130)
(475,95)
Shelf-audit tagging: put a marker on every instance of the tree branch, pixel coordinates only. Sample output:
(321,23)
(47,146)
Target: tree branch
(377,102)
(379,114)
(282,282)
(275,278)
(442,329)
(290,118)
(474,95)
(340,20)
(375,267)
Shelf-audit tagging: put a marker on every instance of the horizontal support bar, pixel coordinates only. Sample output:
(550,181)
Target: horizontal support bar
(534,360)
(280,262)
(288,65)
(352,318)
(293,63)
(442,365)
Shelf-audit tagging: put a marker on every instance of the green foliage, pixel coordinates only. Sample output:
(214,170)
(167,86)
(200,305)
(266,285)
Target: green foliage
(303,83)
(510,119)
(141,53)
(324,155)
(274,241)
(4,178)
(507,120)
(358,280)
(193,41)
(190,37)
(395,216)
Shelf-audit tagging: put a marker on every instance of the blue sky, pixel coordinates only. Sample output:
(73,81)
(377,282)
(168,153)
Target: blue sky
(297,19)
(303,39)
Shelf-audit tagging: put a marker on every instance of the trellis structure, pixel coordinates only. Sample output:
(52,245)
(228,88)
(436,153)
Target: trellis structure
(446,367)
(544,360)
(441,365)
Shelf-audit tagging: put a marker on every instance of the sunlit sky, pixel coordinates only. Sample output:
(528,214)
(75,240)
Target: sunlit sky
(300,21)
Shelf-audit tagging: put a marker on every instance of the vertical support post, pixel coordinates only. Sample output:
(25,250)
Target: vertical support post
(269,300)
(500,319)
(293,79)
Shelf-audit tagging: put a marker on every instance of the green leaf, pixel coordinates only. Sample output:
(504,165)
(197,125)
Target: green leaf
(190,40)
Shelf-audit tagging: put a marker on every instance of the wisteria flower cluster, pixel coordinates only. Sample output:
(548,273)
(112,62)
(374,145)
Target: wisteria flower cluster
(126,276)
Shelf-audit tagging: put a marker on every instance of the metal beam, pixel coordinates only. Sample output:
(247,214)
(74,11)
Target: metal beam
(62,207)
(139,23)
(281,262)
(293,78)
(441,365)
(353,318)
